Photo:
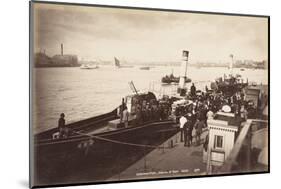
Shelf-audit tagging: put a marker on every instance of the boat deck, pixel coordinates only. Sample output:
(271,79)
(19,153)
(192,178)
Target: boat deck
(102,129)
(176,161)
(109,126)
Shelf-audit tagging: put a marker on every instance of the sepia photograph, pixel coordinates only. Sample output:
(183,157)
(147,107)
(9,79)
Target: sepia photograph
(121,94)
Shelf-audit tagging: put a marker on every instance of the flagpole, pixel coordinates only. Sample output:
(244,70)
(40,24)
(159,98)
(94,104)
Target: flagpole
(231,64)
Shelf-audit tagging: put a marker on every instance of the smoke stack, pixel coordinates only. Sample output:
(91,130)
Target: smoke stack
(183,68)
(184,63)
(61,49)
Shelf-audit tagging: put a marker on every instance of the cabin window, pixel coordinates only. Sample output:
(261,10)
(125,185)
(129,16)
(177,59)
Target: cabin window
(218,142)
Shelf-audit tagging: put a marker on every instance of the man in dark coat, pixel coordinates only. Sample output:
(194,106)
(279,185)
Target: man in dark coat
(199,125)
(61,126)
(188,132)
(193,90)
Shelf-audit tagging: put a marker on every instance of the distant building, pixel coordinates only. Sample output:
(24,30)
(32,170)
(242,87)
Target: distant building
(41,59)
(61,60)
(251,64)
(67,60)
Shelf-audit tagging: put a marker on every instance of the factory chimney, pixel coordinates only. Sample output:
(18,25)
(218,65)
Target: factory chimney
(61,49)
(182,89)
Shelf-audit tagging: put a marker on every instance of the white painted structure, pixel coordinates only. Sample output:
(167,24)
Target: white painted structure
(221,140)
(183,73)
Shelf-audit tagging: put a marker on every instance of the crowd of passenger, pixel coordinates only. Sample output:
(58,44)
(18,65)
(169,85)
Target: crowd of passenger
(204,106)
(147,111)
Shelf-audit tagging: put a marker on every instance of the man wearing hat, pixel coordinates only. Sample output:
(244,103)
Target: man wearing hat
(193,90)
(61,125)
(188,127)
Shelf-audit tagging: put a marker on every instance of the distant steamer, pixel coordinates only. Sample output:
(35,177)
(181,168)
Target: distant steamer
(61,60)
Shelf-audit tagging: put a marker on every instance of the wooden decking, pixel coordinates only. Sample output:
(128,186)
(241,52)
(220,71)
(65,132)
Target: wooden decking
(231,160)
(257,139)
(168,162)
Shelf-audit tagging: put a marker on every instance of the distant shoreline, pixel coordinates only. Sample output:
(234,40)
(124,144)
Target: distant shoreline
(56,66)
(193,66)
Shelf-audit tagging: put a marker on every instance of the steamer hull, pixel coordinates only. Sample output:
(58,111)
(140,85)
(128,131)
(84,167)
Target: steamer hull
(95,157)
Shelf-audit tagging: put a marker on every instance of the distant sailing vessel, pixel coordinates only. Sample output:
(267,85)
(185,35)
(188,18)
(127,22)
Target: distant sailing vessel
(168,79)
(230,84)
(118,65)
(145,68)
(89,66)
(182,79)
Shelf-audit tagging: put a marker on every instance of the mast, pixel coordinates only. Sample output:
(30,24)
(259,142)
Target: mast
(133,88)
(231,64)
(117,62)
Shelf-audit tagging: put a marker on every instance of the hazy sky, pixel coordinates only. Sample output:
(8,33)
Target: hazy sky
(138,35)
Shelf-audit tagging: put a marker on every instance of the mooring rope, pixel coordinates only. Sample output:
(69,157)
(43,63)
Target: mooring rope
(120,142)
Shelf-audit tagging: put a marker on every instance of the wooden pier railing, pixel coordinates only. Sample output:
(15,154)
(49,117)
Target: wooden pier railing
(243,138)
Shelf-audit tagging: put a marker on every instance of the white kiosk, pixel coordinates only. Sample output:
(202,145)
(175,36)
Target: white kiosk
(222,130)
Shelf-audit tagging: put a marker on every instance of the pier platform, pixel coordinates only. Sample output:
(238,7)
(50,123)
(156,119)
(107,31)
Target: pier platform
(175,160)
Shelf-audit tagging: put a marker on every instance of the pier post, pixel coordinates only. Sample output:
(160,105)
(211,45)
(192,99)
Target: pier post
(162,136)
(144,159)
(248,149)
(118,167)
(61,49)
(172,143)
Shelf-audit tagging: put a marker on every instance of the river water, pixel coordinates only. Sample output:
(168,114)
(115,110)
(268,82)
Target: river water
(83,93)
